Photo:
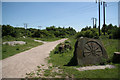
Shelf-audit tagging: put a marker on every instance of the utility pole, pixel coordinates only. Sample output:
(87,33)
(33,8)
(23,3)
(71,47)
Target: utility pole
(39,27)
(99,18)
(118,23)
(25,26)
(104,5)
(93,21)
(99,15)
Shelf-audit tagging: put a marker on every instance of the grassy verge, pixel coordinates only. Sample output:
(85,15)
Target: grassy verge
(64,58)
(106,73)
(60,60)
(111,46)
(8,50)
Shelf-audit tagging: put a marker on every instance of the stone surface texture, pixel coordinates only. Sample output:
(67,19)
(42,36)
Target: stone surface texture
(13,43)
(89,51)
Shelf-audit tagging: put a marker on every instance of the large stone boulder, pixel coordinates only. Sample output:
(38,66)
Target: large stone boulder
(13,43)
(88,51)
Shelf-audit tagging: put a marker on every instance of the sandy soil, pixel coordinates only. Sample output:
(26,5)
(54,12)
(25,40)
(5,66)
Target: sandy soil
(18,65)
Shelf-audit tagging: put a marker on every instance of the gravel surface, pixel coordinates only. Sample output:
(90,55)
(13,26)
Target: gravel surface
(95,67)
(18,65)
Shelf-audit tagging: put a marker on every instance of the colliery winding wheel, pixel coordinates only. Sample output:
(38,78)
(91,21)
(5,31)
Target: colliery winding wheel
(89,51)
(92,48)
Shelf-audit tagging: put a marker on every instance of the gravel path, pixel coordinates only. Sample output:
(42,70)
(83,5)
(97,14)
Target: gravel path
(18,65)
(40,41)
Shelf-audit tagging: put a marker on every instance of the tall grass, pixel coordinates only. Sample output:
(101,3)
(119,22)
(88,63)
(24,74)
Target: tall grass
(111,46)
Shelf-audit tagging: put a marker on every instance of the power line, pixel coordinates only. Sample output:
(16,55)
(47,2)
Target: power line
(110,18)
(83,12)
(110,5)
(83,9)
(86,11)
(86,7)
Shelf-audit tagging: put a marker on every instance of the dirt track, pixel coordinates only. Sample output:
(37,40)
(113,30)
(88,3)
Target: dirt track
(18,65)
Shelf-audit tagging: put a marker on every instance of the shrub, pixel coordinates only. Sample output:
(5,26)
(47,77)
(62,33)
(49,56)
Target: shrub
(79,34)
(63,47)
(92,33)
(110,36)
(8,38)
(116,33)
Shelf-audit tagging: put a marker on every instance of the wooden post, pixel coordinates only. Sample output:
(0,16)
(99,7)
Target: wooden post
(116,57)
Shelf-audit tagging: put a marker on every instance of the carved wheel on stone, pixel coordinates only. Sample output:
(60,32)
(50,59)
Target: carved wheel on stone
(92,48)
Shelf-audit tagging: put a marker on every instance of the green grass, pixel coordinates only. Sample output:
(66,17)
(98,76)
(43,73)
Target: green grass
(111,46)
(106,73)
(47,72)
(8,50)
(62,59)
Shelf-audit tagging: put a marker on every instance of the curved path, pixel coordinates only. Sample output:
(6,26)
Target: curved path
(18,65)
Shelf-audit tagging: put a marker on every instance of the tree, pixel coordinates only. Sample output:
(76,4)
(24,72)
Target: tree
(8,30)
(116,33)
(104,29)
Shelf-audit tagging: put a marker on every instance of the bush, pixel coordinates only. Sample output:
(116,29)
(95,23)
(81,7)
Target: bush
(112,31)
(110,36)
(8,38)
(8,30)
(63,47)
(86,28)
(80,34)
(116,33)
(92,33)
(51,32)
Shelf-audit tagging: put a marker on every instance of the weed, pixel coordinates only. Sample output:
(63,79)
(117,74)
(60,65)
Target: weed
(38,66)
(42,64)
(47,73)
(50,67)
(39,70)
